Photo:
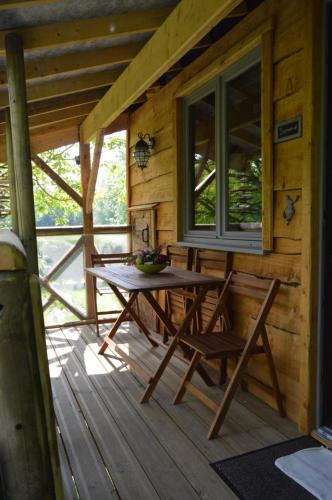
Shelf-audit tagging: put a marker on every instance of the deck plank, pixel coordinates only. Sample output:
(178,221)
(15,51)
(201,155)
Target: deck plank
(69,490)
(238,431)
(164,445)
(90,475)
(125,470)
(149,453)
(190,459)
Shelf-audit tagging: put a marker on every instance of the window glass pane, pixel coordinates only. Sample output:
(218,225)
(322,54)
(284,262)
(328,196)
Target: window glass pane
(244,161)
(203,164)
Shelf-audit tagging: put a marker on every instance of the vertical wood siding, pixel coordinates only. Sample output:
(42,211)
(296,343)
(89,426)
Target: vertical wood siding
(157,184)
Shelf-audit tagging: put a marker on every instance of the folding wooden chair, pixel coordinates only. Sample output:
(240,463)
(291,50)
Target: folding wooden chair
(212,263)
(227,344)
(102,260)
(176,301)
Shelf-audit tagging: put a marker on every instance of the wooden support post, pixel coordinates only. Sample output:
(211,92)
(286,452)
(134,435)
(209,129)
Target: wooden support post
(21,148)
(11,174)
(29,459)
(88,240)
(94,171)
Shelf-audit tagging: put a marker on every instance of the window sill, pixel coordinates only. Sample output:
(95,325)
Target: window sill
(223,246)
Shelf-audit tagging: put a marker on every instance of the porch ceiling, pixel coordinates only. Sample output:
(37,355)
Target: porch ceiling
(75,51)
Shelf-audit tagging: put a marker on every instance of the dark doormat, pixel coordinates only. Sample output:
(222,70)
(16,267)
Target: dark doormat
(253,476)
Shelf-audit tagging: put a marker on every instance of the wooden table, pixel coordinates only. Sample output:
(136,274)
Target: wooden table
(129,279)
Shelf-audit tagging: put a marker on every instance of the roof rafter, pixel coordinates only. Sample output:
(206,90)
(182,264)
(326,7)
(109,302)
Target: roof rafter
(78,61)
(63,102)
(19,4)
(66,86)
(71,32)
(184,27)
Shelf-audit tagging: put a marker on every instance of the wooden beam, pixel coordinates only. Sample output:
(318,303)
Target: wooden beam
(77,230)
(88,239)
(57,179)
(54,127)
(56,116)
(77,61)
(59,115)
(65,260)
(94,170)
(311,213)
(48,140)
(184,27)
(66,86)
(61,299)
(19,4)
(239,11)
(21,149)
(54,139)
(62,102)
(85,30)
(121,123)
(267,131)
(60,134)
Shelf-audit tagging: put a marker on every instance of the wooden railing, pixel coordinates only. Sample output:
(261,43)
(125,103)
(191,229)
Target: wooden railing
(59,267)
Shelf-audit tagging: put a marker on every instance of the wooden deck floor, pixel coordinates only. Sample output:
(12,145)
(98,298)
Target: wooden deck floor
(113,447)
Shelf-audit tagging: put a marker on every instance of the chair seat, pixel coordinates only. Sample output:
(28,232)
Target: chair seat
(215,345)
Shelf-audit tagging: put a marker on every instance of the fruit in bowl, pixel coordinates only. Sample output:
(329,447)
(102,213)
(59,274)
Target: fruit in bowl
(149,260)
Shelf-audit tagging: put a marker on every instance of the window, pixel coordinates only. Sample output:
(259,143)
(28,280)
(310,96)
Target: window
(223,160)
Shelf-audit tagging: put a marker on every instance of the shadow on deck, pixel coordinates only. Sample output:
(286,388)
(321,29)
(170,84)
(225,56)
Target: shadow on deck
(111,446)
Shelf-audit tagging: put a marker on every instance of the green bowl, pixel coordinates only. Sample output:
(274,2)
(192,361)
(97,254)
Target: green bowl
(151,268)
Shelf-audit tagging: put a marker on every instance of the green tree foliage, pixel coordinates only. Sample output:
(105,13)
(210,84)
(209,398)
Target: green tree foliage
(110,205)
(245,193)
(53,207)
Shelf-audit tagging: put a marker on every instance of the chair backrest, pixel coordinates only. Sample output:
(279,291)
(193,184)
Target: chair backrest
(262,289)
(103,259)
(182,257)
(213,262)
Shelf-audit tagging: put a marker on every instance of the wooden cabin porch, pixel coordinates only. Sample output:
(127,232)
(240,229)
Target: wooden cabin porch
(228,98)
(111,446)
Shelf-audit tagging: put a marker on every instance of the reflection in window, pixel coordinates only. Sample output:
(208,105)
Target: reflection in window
(203,163)
(244,163)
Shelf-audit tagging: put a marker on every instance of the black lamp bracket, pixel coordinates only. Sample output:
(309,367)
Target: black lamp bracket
(150,140)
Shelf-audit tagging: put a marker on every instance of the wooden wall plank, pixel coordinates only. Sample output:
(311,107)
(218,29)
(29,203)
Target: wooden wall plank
(289,77)
(288,164)
(294,228)
(290,87)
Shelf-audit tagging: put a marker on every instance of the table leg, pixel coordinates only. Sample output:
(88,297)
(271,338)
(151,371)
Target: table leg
(134,316)
(118,322)
(171,328)
(177,337)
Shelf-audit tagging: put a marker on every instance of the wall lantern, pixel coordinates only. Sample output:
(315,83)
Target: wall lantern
(143,149)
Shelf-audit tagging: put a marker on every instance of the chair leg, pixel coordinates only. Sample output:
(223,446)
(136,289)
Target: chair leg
(187,377)
(227,399)
(273,373)
(223,371)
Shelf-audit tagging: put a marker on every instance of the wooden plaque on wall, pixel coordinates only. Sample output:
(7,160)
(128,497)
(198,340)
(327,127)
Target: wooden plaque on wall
(143,235)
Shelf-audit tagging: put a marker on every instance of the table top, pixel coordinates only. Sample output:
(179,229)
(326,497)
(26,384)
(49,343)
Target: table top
(131,279)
